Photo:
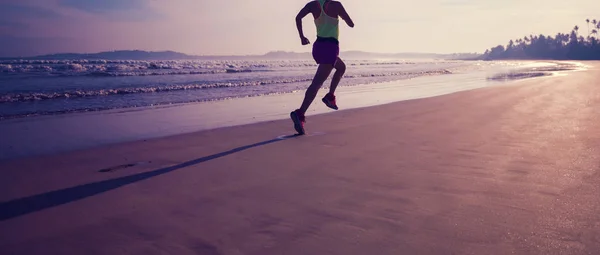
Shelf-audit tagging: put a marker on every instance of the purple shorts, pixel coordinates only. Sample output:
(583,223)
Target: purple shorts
(325,51)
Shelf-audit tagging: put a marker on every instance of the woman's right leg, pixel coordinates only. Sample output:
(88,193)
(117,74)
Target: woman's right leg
(297,116)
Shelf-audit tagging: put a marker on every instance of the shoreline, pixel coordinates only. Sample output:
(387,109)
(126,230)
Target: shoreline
(55,134)
(425,74)
(147,90)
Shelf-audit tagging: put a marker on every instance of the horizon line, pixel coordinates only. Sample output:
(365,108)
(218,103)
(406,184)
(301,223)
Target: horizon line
(233,55)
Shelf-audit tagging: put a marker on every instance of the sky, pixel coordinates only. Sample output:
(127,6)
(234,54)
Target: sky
(243,27)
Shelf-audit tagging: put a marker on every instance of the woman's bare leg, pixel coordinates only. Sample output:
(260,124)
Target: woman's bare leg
(340,69)
(323,72)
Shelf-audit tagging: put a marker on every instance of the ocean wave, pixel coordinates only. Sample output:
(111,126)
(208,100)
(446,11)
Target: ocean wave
(517,76)
(122,74)
(142,68)
(22,97)
(92,109)
(411,74)
(35,96)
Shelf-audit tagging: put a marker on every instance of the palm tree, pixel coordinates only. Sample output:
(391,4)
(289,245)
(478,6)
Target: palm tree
(560,39)
(573,37)
(594,40)
(588,25)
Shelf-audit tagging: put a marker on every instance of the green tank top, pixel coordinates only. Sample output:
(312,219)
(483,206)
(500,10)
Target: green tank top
(327,26)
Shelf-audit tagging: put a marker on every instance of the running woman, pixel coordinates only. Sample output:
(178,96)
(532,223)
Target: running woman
(325,52)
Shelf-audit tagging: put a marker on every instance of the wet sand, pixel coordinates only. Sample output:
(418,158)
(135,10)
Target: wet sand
(503,170)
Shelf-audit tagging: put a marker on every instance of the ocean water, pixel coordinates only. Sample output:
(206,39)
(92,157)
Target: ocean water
(42,87)
(148,99)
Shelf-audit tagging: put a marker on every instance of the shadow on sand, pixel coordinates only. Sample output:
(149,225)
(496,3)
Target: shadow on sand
(26,205)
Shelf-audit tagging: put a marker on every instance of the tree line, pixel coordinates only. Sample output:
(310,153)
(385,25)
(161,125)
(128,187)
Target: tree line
(579,44)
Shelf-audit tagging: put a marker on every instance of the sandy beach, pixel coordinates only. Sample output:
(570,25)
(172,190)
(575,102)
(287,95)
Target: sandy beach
(511,169)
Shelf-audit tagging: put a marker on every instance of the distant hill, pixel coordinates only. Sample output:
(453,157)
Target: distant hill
(119,55)
(364,55)
(370,55)
(171,55)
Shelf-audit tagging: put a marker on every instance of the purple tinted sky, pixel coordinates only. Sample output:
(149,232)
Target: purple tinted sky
(31,27)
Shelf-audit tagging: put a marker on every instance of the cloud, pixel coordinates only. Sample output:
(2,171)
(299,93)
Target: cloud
(11,24)
(29,46)
(458,3)
(17,18)
(117,10)
(17,10)
(95,6)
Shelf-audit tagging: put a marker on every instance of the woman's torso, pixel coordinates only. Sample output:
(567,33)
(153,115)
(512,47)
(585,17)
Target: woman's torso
(326,19)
